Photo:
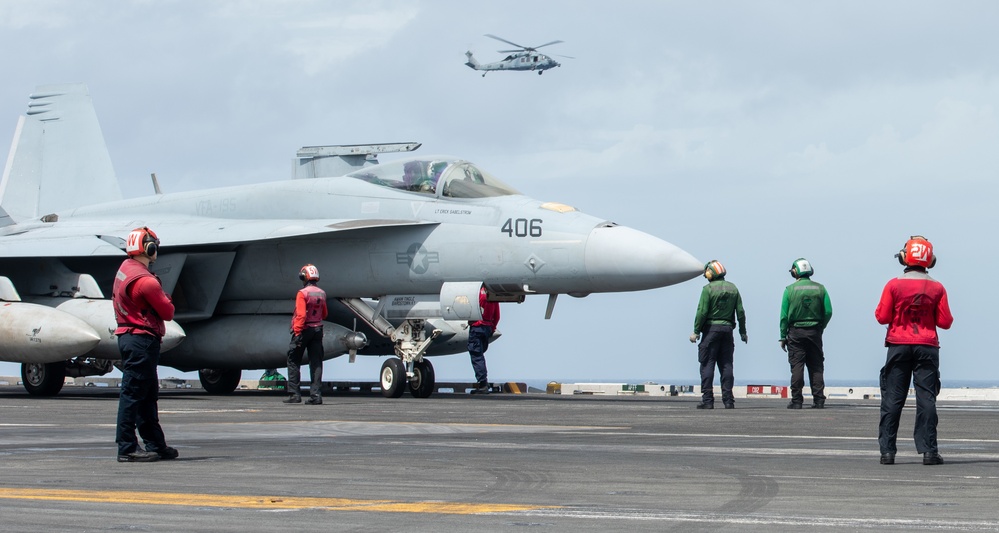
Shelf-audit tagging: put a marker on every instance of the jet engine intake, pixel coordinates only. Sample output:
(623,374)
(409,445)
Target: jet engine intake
(460,300)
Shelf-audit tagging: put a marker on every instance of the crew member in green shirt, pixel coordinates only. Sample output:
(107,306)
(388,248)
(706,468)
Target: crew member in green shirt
(804,312)
(717,310)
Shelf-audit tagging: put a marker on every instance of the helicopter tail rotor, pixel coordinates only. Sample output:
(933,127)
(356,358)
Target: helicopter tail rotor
(472,63)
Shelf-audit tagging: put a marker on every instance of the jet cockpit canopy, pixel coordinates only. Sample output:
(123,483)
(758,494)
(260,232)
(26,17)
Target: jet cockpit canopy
(448,177)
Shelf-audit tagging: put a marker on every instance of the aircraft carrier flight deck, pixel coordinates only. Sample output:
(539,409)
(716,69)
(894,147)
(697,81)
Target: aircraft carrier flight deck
(500,462)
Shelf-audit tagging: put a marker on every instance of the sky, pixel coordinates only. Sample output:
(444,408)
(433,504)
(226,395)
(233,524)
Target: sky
(749,132)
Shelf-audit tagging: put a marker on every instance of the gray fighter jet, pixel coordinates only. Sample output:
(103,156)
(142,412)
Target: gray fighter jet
(403,247)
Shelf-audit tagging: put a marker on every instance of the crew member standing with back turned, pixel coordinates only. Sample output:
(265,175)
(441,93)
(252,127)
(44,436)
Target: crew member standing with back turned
(913,306)
(140,307)
(307,333)
(479,333)
(717,310)
(805,310)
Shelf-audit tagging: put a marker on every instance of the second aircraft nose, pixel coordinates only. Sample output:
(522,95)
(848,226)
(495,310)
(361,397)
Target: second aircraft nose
(619,258)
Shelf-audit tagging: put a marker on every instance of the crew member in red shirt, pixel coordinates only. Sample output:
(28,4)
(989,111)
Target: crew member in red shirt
(307,333)
(140,307)
(479,333)
(913,306)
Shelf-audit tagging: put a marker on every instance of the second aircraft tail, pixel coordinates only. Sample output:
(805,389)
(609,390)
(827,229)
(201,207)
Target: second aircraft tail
(58,159)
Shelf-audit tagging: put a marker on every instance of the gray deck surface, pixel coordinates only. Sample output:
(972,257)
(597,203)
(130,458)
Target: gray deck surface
(532,462)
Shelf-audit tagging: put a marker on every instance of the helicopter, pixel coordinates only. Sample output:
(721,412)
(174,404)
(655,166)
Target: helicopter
(523,58)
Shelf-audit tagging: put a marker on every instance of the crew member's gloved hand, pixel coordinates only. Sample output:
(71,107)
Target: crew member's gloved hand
(745,338)
(693,337)
(783,344)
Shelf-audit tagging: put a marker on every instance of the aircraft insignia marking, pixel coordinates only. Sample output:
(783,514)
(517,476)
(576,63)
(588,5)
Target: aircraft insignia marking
(417,258)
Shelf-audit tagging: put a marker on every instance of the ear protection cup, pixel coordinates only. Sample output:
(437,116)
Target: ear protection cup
(150,248)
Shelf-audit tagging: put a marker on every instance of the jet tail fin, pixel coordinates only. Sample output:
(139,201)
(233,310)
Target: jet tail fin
(58,159)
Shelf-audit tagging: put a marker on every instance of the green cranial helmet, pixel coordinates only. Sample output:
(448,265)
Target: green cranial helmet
(801,268)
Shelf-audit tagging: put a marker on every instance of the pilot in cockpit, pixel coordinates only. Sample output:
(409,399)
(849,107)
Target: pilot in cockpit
(416,177)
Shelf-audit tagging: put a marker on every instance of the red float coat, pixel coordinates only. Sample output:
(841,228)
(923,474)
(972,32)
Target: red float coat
(490,311)
(140,305)
(913,306)
(310,309)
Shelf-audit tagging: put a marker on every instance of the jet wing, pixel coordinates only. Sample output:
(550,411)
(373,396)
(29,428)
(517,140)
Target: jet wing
(94,238)
(76,246)
(225,231)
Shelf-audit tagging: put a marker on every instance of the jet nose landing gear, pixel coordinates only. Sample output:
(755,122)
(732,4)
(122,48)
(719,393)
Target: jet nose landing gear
(394,378)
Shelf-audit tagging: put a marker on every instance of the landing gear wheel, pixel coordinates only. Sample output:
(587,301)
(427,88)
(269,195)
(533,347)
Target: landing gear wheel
(219,380)
(393,378)
(421,385)
(43,379)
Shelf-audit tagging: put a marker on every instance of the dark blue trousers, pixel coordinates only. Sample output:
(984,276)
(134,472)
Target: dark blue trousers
(137,400)
(919,365)
(478,343)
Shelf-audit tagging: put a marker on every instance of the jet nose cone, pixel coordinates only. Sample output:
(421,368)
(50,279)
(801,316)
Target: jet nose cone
(619,258)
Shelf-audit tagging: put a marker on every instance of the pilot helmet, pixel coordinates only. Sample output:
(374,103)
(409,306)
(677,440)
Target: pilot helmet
(917,252)
(142,241)
(412,172)
(714,270)
(801,268)
(309,273)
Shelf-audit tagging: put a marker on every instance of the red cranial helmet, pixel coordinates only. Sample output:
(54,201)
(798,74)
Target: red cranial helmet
(917,252)
(309,273)
(142,241)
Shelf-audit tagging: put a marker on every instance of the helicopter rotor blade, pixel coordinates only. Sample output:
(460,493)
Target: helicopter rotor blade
(546,44)
(506,41)
(567,57)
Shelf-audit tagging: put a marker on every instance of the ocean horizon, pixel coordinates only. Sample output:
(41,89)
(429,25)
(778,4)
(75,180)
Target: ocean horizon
(945,383)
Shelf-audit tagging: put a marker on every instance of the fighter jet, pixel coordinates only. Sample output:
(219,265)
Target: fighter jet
(403,248)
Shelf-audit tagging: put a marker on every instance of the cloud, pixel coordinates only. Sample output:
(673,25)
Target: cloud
(43,14)
(951,144)
(317,37)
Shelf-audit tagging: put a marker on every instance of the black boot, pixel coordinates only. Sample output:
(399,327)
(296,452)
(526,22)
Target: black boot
(932,458)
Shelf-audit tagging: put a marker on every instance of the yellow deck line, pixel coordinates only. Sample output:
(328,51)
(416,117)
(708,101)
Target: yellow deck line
(260,502)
